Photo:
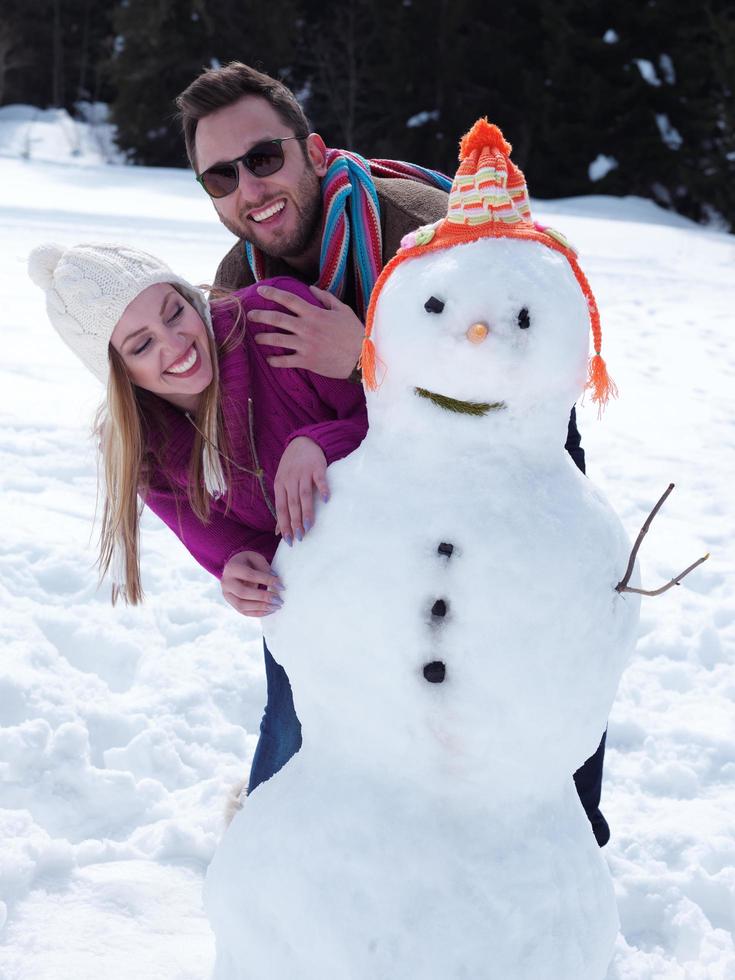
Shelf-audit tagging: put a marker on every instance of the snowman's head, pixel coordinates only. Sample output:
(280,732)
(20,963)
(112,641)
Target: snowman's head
(489,328)
(484,314)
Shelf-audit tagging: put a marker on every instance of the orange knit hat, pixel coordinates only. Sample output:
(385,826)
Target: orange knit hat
(489,199)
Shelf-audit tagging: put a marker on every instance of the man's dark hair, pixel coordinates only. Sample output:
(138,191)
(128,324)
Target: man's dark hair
(217,88)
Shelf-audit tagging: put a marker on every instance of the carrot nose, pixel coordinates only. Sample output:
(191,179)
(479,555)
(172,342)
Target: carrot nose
(477,333)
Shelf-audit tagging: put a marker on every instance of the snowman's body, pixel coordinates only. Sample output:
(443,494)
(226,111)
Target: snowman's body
(430,828)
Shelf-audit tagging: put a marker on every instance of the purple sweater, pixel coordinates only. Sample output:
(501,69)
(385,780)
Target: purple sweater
(287,402)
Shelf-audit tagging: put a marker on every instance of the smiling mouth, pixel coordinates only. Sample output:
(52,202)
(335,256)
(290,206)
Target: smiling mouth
(268,212)
(455,405)
(185,364)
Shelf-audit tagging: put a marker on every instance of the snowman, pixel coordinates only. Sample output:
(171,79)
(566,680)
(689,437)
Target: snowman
(452,634)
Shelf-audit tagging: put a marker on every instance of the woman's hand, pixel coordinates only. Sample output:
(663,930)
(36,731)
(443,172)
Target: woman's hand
(250,585)
(302,469)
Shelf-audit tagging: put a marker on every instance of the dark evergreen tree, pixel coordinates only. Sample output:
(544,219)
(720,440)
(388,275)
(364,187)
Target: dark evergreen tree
(713,159)
(698,130)
(162,45)
(16,54)
(631,99)
(406,78)
(51,52)
(655,96)
(347,62)
(577,100)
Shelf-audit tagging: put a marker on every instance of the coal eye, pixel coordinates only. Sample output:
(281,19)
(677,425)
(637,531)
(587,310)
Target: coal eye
(433,305)
(524,320)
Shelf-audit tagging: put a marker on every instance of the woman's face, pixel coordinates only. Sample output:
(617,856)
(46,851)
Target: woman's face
(164,345)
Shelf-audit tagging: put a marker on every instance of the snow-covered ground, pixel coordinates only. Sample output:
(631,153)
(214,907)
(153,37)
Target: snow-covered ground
(52,134)
(122,729)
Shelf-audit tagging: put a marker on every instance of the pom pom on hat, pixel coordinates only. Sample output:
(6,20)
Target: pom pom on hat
(42,264)
(483,136)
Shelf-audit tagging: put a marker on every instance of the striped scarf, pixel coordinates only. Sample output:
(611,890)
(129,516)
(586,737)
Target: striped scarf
(349,178)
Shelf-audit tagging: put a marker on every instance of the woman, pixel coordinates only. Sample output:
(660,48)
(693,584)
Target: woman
(227,450)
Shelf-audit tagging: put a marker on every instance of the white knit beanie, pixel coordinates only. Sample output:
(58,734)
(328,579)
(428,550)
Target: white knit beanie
(88,288)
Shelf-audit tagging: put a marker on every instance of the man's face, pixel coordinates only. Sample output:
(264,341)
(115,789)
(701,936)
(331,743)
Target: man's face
(249,212)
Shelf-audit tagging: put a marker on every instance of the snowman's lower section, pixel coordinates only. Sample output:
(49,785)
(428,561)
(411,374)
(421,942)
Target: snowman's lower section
(429,826)
(421,887)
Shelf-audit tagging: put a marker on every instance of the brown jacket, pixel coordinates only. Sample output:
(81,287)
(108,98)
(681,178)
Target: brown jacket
(404,206)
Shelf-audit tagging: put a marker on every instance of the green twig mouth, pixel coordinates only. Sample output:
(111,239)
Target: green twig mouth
(455,405)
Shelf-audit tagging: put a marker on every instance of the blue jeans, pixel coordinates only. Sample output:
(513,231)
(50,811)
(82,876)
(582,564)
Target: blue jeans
(280,729)
(588,780)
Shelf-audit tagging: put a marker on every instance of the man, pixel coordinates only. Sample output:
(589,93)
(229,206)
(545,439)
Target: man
(298,209)
(225,113)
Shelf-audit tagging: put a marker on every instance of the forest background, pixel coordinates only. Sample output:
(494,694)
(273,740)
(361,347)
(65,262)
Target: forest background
(626,98)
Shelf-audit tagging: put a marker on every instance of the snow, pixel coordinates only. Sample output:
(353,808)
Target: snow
(422,118)
(648,71)
(52,134)
(667,67)
(601,167)
(122,730)
(669,134)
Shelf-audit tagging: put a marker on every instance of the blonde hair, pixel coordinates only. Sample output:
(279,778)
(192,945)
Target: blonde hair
(121,426)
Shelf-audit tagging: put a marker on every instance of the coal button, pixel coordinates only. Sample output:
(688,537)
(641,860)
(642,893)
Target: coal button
(435,672)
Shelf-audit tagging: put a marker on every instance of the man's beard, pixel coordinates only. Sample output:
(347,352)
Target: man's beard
(307,202)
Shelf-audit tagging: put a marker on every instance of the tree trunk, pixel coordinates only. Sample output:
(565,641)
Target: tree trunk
(82,91)
(57,78)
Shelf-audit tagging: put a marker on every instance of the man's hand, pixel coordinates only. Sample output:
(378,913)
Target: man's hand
(325,341)
(302,469)
(250,585)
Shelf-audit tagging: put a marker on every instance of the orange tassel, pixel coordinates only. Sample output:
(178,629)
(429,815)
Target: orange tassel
(367,364)
(602,385)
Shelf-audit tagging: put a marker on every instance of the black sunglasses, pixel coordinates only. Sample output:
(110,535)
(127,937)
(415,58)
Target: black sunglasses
(262,160)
